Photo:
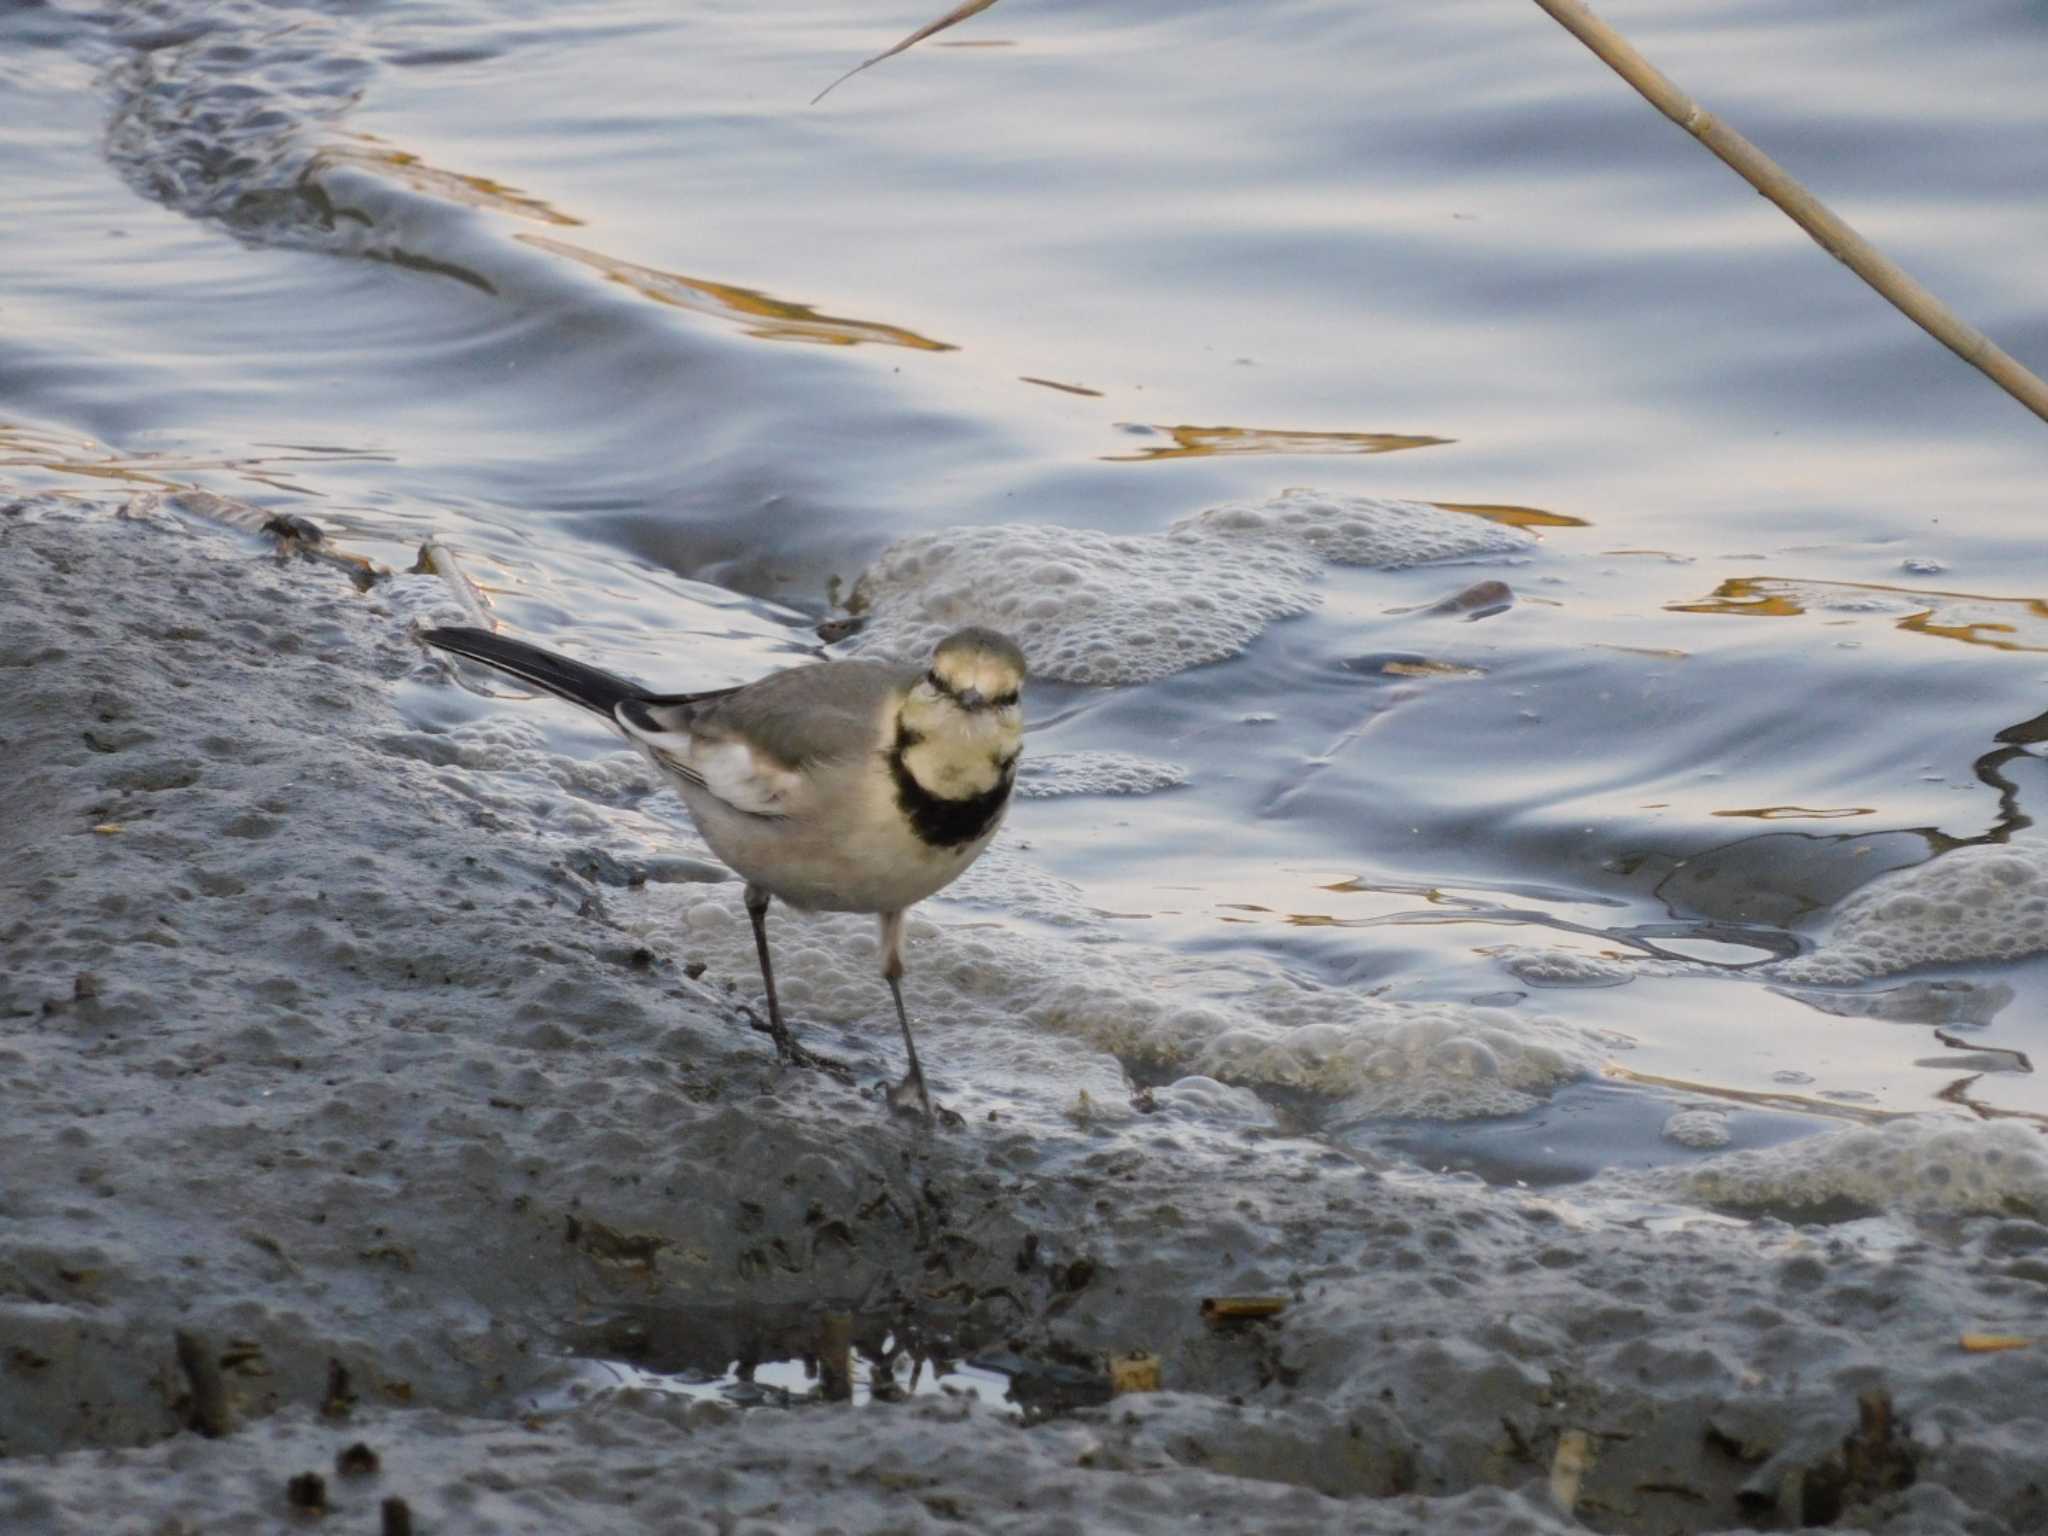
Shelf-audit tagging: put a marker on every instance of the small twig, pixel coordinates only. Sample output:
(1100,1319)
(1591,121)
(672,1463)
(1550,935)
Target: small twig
(957,14)
(835,1357)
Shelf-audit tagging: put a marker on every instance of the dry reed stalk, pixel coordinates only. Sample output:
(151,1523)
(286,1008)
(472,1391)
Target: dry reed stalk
(958,13)
(1804,209)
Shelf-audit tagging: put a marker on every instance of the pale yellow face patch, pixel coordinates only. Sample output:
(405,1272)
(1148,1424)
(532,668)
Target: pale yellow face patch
(959,753)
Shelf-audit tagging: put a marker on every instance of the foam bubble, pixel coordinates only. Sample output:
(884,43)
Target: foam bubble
(1096,773)
(1208,1102)
(1918,1163)
(1005,880)
(1356,530)
(1566,968)
(1701,1128)
(1982,902)
(1092,607)
(1005,1006)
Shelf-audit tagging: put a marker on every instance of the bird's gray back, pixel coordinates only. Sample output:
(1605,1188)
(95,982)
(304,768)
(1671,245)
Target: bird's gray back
(825,712)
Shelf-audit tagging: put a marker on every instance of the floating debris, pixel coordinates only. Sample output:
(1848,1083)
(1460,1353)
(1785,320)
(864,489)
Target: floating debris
(1219,1310)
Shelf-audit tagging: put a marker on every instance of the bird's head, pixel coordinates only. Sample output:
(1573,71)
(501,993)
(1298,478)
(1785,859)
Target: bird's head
(977,669)
(964,718)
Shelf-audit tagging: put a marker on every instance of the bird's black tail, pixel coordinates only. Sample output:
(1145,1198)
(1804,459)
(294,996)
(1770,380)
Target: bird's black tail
(595,689)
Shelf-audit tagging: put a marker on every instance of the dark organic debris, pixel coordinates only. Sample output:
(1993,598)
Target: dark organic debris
(1876,1458)
(1044,1387)
(340,1397)
(290,528)
(209,1414)
(1220,1311)
(357,1460)
(1479,601)
(307,1491)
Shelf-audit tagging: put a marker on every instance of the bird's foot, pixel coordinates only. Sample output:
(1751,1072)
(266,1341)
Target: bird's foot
(796,1055)
(909,1098)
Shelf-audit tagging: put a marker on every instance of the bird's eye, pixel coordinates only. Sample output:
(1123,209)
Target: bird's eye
(936,681)
(1004,700)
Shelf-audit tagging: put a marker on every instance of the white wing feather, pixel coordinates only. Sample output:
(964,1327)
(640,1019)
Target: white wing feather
(723,767)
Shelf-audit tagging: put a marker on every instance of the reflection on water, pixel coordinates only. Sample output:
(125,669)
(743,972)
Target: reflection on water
(758,314)
(1517,517)
(2002,623)
(1800,812)
(1812,1104)
(367,152)
(1208,442)
(67,454)
(1917,1002)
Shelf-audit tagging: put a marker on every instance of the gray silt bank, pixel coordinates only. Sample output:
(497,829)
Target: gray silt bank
(319,1056)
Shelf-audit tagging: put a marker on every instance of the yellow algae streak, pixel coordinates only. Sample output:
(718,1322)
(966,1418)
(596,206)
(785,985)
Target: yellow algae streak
(1210,442)
(370,153)
(2002,623)
(757,313)
(1514,517)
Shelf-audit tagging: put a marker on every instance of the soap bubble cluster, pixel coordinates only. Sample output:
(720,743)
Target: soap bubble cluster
(973,986)
(1917,1163)
(1566,968)
(1982,902)
(1096,773)
(1099,608)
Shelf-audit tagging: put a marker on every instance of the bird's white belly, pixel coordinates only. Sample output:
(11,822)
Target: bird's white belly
(833,859)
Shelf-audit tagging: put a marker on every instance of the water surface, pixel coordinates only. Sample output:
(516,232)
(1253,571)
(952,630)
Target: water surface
(590,292)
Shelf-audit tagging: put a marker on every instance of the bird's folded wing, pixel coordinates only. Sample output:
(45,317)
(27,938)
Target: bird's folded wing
(721,764)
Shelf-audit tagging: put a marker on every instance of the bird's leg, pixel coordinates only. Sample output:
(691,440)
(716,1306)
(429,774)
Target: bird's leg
(785,1042)
(892,972)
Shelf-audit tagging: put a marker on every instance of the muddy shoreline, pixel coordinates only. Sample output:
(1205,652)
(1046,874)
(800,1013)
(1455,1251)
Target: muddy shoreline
(329,1046)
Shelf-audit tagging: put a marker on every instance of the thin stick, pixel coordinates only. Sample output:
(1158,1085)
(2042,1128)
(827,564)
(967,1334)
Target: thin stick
(958,13)
(1807,211)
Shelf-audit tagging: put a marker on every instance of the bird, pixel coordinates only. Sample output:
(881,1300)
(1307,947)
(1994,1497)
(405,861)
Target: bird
(849,785)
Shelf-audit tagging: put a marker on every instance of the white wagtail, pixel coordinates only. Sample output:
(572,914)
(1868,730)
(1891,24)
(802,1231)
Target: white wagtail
(845,786)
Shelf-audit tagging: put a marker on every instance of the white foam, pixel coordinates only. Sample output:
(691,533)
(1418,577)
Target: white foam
(1699,1128)
(1009,882)
(1356,530)
(1565,968)
(1092,607)
(1002,1006)
(1096,773)
(1931,1162)
(1982,902)
(1208,1102)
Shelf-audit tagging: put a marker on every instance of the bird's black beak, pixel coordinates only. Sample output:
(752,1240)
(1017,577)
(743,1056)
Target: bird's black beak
(971,698)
